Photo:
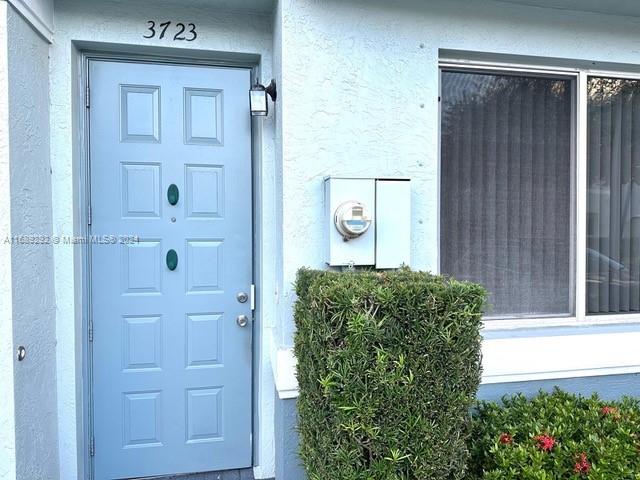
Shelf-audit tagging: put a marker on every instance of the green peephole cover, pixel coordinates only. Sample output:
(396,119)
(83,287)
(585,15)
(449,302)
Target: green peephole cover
(172,259)
(173,194)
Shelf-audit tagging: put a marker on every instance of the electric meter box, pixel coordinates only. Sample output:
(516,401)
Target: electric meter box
(368,221)
(341,197)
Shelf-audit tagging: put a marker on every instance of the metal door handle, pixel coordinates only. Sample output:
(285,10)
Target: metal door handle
(242,297)
(242,320)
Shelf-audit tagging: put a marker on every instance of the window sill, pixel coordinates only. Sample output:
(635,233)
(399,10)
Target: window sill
(543,323)
(573,352)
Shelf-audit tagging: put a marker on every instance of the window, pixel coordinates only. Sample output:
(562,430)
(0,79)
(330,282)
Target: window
(613,195)
(507,199)
(540,190)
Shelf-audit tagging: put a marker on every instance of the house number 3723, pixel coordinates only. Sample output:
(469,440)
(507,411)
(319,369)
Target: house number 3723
(180,31)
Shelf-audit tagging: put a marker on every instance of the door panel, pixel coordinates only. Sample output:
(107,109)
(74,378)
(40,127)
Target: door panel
(171,367)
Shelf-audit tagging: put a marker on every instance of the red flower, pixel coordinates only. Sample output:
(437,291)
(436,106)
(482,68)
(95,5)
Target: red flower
(506,439)
(610,411)
(545,442)
(582,465)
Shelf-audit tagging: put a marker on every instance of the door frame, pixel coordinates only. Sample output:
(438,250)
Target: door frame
(137,54)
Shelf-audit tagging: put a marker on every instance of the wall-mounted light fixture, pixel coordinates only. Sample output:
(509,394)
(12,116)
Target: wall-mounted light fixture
(258,98)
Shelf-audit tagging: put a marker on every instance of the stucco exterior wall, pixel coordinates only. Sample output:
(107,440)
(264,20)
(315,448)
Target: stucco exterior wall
(361,83)
(288,463)
(32,265)
(39,13)
(28,423)
(278,42)
(33,292)
(116,25)
(7,412)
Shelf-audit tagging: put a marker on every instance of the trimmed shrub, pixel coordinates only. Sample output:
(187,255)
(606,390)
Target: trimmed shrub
(388,367)
(556,436)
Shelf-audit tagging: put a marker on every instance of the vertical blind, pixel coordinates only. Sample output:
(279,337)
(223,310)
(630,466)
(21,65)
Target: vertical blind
(613,203)
(506,189)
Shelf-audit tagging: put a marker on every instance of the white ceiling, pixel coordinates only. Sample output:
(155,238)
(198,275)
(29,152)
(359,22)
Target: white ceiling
(613,7)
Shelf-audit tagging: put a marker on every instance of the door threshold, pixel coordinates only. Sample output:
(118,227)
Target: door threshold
(243,474)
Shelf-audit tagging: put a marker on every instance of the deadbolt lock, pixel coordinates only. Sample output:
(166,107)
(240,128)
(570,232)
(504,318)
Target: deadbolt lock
(242,297)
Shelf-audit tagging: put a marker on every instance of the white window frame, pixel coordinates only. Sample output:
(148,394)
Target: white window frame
(580,75)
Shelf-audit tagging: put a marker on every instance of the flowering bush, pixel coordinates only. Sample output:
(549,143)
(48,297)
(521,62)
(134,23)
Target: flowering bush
(556,436)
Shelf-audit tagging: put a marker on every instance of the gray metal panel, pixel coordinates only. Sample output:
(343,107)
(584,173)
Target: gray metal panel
(172,369)
(393,223)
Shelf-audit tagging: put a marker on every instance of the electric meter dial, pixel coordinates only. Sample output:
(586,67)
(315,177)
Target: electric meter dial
(352,219)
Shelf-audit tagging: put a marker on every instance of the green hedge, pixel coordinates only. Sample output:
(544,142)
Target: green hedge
(388,367)
(556,436)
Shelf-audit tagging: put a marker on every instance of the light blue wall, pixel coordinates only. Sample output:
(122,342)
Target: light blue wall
(288,465)
(611,387)
(33,296)
(39,13)
(360,98)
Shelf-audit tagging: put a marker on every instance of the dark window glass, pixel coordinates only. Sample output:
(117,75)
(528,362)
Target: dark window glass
(507,205)
(613,201)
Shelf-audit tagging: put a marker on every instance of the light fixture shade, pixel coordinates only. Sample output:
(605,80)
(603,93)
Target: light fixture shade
(258,101)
